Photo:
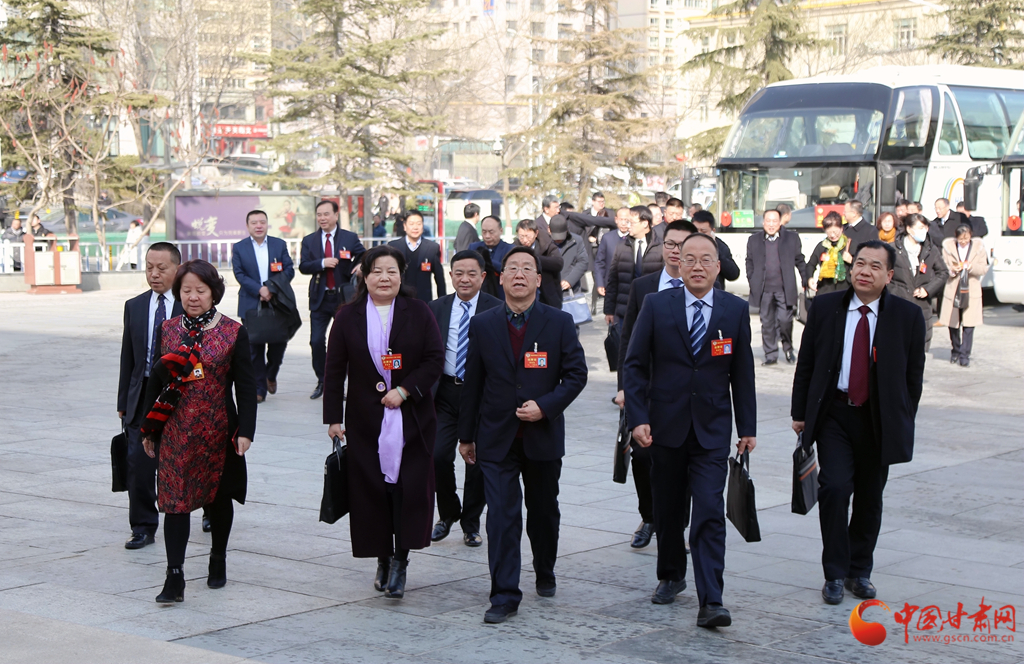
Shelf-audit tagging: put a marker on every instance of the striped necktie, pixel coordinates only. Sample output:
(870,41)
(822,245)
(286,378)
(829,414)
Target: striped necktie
(697,328)
(158,320)
(463,348)
(676,283)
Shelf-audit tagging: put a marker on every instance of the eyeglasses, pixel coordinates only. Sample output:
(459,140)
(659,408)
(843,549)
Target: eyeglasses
(707,261)
(668,244)
(515,269)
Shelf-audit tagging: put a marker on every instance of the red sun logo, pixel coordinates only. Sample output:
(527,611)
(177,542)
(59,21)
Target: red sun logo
(868,633)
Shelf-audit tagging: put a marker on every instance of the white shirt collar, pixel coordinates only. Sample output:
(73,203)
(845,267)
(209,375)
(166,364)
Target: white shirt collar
(664,282)
(457,303)
(169,296)
(855,304)
(851,224)
(413,245)
(621,234)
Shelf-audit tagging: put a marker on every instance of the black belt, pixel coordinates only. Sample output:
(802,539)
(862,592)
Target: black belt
(845,397)
(445,378)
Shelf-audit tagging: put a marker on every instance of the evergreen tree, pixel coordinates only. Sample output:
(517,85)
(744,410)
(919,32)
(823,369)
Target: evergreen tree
(347,90)
(984,33)
(587,112)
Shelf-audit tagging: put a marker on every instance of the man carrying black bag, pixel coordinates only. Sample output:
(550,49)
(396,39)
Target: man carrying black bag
(688,361)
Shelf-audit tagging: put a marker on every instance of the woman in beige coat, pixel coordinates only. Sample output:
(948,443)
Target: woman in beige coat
(967,261)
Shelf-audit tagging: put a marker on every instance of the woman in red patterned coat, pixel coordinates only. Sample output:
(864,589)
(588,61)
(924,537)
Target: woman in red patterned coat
(192,424)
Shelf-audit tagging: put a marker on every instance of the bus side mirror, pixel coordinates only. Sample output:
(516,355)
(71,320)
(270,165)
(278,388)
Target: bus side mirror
(972,183)
(887,189)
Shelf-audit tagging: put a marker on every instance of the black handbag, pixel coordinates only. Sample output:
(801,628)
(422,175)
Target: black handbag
(266,325)
(119,462)
(611,347)
(621,463)
(805,477)
(334,504)
(740,507)
(962,297)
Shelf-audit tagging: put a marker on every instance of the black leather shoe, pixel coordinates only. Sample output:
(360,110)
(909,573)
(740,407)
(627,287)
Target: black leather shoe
(642,536)
(861,587)
(832,592)
(139,540)
(667,591)
(271,386)
(218,577)
(768,363)
(441,530)
(499,614)
(207,526)
(380,581)
(396,580)
(546,588)
(790,357)
(174,587)
(472,539)
(713,615)
(954,359)
(318,391)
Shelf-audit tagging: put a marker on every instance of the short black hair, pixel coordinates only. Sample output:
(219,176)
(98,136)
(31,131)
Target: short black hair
(858,207)
(643,212)
(206,273)
(783,209)
(661,197)
(471,210)
(563,206)
(252,212)
(596,195)
(413,213)
(697,235)
(325,201)
(491,216)
(915,218)
(832,219)
(527,224)
(890,251)
(704,215)
(681,225)
(468,255)
(962,229)
(519,249)
(169,248)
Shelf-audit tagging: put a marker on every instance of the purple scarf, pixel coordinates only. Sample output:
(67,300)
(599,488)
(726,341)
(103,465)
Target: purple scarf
(392,438)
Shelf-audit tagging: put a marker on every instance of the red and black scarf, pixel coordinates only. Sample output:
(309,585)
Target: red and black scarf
(179,364)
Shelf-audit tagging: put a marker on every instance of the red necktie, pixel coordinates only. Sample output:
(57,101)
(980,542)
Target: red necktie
(329,253)
(858,389)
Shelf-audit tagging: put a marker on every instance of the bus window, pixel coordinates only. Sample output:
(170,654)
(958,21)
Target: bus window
(837,133)
(756,136)
(1014,102)
(949,135)
(913,112)
(985,122)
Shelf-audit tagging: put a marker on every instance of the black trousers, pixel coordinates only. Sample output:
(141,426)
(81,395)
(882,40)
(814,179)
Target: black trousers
(449,509)
(850,464)
(143,516)
(319,320)
(962,340)
(177,527)
(776,322)
(641,464)
(266,361)
(703,471)
(505,519)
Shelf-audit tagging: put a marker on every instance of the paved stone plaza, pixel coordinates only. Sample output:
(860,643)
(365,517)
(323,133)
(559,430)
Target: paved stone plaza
(70,592)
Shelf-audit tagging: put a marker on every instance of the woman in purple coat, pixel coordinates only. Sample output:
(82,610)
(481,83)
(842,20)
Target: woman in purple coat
(387,345)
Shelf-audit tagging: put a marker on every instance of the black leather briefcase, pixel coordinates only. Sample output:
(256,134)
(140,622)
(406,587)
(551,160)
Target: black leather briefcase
(334,503)
(805,477)
(740,507)
(622,453)
(119,463)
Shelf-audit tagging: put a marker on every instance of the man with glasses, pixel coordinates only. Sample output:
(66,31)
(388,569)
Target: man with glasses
(525,366)
(689,360)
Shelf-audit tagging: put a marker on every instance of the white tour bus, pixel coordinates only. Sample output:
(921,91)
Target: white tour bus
(876,136)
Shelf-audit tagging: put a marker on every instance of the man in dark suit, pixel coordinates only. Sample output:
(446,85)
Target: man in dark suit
(606,248)
(855,392)
(453,313)
(857,228)
(493,249)
(669,277)
(331,255)
(528,234)
(423,258)
(140,344)
(945,222)
(704,222)
(511,422)
(638,255)
(772,255)
(466,235)
(979,227)
(254,260)
(689,353)
(549,207)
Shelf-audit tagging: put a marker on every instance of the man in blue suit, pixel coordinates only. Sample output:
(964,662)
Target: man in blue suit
(525,366)
(254,260)
(140,347)
(331,255)
(689,348)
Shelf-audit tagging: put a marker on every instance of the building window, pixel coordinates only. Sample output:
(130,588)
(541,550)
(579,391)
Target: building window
(654,3)
(836,36)
(260,113)
(670,60)
(510,5)
(702,109)
(510,84)
(563,6)
(652,60)
(536,5)
(564,31)
(652,42)
(704,44)
(654,22)
(669,24)
(564,56)
(905,33)
(510,115)
(668,4)
(511,26)
(696,4)
(537,29)
(538,55)
(668,42)
(730,37)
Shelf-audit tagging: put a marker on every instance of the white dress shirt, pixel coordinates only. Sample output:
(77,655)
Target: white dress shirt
(708,301)
(323,244)
(262,258)
(413,246)
(961,251)
(451,348)
(664,281)
(154,299)
(852,318)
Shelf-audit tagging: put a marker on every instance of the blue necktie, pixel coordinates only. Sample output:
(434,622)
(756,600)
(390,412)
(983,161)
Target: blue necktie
(697,328)
(158,320)
(463,348)
(676,283)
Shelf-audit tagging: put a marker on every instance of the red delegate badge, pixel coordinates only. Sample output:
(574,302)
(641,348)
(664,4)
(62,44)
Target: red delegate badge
(276,266)
(721,347)
(344,254)
(425,266)
(197,374)
(391,362)
(536,360)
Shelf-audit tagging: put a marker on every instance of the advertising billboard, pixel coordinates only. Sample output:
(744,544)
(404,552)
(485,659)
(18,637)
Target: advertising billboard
(222,217)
